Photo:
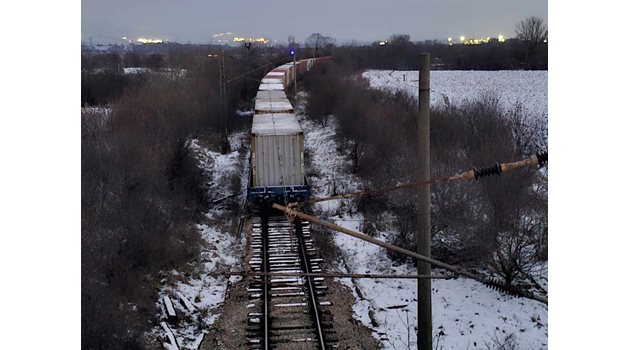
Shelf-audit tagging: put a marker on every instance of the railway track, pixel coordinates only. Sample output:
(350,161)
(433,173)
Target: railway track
(291,311)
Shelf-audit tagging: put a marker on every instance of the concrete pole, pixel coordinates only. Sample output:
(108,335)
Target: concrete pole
(423,236)
(224,102)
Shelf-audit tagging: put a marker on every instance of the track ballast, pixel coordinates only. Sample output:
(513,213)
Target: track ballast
(292,310)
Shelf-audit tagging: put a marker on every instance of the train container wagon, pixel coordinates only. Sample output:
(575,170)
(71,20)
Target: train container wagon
(271,87)
(277,160)
(283,73)
(269,101)
(301,67)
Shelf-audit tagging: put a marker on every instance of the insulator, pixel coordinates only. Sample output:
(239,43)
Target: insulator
(542,158)
(487,171)
(497,285)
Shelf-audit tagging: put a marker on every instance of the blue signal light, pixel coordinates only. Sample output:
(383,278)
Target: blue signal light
(292,52)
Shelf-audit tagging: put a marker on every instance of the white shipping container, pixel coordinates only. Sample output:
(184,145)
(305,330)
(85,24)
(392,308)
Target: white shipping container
(276,87)
(272,102)
(277,150)
(271,95)
(271,106)
(272,80)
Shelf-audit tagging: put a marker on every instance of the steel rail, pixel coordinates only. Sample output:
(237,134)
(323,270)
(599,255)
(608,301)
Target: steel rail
(264,235)
(307,268)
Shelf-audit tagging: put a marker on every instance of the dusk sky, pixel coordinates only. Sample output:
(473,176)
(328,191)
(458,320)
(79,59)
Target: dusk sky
(363,20)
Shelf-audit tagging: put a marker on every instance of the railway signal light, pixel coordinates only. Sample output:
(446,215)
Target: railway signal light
(292,52)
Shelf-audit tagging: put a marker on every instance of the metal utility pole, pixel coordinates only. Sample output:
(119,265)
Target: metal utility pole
(423,236)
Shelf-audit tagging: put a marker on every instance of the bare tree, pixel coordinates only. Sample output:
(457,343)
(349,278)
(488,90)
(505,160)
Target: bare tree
(291,40)
(316,41)
(399,39)
(533,31)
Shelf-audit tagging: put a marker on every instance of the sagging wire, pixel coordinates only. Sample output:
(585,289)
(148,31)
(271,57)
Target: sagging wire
(539,159)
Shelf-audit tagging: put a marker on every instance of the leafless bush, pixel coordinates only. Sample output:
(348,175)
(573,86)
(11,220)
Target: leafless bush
(141,194)
(499,222)
(507,342)
(321,103)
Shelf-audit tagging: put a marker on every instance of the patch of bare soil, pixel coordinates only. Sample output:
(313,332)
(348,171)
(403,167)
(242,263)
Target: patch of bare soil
(352,333)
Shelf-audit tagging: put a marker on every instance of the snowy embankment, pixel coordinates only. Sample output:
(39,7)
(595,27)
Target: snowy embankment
(466,314)
(221,249)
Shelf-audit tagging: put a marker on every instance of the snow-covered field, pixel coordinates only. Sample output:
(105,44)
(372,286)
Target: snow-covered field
(466,314)
(221,250)
(528,88)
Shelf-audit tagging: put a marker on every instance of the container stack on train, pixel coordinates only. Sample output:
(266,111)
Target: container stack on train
(277,141)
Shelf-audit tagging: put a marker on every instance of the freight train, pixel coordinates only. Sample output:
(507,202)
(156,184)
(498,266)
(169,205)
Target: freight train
(277,140)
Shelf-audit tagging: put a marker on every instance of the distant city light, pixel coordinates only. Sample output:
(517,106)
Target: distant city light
(501,38)
(382,43)
(149,41)
(462,38)
(450,39)
(124,38)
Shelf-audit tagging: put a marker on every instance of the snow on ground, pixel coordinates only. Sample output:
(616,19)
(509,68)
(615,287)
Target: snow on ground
(526,87)
(136,70)
(513,88)
(168,72)
(221,249)
(466,314)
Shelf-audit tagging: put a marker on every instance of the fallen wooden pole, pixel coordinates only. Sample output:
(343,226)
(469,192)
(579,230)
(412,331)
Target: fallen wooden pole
(323,274)
(364,237)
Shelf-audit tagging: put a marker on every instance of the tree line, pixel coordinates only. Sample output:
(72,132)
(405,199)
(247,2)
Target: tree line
(528,50)
(142,192)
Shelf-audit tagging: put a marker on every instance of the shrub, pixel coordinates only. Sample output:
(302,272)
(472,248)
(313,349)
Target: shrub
(499,222)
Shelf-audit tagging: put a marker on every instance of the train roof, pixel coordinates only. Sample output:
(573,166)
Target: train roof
(274,86)
(271,95)
(272,102)
(275,124)
(270,106)
(271,80)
